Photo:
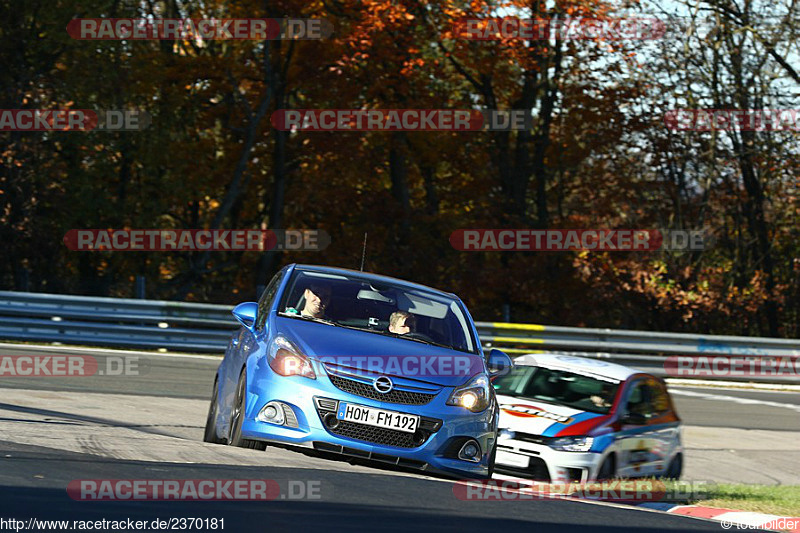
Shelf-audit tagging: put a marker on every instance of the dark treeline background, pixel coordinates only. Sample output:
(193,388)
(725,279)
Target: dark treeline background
(598,156)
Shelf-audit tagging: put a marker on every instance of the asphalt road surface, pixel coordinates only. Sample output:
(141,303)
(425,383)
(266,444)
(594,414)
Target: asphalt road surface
(149,426)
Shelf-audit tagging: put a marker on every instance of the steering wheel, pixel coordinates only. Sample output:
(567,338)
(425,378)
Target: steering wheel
(420,336)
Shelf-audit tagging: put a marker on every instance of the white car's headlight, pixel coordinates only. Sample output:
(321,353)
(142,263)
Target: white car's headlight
(474,395)
(571,444)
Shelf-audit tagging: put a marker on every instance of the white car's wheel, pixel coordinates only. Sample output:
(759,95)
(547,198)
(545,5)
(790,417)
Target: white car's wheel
(675,468)
(608,469)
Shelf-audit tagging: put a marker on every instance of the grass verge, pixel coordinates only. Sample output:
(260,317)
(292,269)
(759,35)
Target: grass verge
(782,500)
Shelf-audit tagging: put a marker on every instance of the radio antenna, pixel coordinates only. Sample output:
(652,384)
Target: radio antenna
(364,252)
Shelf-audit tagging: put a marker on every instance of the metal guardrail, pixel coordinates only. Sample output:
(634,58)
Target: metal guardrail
(620,340)
(115,322)
(190,327)
(643,350)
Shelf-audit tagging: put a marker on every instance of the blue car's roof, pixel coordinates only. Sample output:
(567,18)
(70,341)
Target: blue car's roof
(373,277)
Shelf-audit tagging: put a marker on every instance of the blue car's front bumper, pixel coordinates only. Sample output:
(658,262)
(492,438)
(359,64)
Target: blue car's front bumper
(437,453)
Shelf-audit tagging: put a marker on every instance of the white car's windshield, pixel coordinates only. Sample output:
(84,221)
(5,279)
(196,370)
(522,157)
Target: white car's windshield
(380,307)
(558,386)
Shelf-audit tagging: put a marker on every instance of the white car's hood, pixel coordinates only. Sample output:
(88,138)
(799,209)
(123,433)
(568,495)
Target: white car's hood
(537,417)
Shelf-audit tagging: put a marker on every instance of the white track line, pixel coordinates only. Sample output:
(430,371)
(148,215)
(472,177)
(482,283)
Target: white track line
(732,385)
(111,351)
(733,399)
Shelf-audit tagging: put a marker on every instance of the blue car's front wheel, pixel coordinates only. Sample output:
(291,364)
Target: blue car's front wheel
(211,421)
(237,417)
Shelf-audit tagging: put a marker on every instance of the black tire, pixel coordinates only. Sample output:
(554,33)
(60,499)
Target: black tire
(237,417)
(675,468)
(607,470)
(211,431)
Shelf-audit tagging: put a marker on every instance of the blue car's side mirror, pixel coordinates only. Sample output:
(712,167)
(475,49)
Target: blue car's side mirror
(246,314)
(499,363)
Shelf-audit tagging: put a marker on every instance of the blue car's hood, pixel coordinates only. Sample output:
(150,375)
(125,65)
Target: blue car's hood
(375,354)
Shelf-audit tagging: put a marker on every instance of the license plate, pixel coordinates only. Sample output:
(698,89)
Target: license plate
(512,459)
(377,417)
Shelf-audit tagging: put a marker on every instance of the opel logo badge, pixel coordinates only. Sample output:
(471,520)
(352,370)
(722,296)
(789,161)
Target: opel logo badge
(383,384)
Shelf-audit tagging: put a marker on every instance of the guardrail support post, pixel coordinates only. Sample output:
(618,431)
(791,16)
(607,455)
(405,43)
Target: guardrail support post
(138,290)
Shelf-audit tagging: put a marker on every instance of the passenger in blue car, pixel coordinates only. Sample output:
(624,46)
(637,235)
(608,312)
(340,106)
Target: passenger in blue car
(402,322)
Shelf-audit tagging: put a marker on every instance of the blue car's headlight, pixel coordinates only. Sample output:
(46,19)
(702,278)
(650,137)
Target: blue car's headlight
(473,396)
(572,444)
(286,360)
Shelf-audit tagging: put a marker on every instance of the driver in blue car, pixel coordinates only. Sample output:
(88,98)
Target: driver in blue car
(316,300)
(402,322)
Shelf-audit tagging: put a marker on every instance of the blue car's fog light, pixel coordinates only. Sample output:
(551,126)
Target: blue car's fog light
(272,413)
(470,451)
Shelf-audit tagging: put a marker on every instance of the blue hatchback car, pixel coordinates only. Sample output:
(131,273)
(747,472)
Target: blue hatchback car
(362,365)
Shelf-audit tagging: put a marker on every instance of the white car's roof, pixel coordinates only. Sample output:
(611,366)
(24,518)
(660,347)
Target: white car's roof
(578,365)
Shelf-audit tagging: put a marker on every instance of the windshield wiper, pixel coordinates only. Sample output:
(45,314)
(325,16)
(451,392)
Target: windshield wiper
(423,341)
(432,343)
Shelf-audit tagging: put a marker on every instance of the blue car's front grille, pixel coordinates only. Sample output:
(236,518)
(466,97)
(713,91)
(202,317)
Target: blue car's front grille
(383,436)
(326,408)
(366,390)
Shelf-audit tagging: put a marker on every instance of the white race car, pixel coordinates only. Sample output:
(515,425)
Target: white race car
(571,419)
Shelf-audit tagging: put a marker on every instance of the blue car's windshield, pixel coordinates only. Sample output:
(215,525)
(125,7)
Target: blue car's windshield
(559,387)
(379,307)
